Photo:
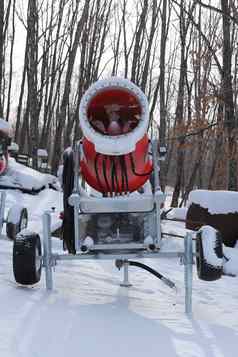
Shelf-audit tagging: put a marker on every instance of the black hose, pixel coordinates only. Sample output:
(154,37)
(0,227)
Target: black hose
(112,175)
(122,175)
(114,178)
(163,214)
(124,169)
(164,234)
(115,174)
(96,171)
(165,280)
(105,174)
(226,259)
(134,170)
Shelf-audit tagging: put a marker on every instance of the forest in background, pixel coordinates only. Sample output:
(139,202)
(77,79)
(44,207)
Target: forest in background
(181,53)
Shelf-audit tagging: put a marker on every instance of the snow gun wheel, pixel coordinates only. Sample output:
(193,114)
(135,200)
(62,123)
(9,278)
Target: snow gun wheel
(17,220)
(68,185)
(209,254)
(27,261)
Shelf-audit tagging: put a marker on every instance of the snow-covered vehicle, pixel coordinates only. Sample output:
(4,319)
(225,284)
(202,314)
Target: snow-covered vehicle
(5,141)
(120,217)
(17,217)
(15,176)
(23,180)
(16,220)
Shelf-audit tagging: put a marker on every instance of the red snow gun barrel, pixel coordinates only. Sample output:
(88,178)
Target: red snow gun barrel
(114,119)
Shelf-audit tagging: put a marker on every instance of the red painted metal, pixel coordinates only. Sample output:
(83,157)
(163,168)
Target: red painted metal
(3,164)
(125,173)
(115,112)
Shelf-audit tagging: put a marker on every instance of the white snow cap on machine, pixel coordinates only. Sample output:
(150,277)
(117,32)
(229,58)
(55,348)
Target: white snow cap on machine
(120,144)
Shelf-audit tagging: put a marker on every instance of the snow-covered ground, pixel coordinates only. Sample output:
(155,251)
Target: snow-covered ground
(88,314)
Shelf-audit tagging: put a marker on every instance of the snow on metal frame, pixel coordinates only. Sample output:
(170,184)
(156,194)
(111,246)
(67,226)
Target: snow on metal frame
(121,144)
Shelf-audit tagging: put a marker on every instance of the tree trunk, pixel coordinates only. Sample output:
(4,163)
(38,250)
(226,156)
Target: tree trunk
(1,53)
(162,127)
(32,29)
(229,119)
(65,99)
(179,114)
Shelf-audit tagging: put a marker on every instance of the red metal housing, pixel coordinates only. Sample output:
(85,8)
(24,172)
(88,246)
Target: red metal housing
(125,173)
(115,115)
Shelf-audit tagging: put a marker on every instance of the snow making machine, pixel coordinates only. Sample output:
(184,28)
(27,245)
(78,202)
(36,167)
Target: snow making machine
(17,217)
(112,195)
(5,141)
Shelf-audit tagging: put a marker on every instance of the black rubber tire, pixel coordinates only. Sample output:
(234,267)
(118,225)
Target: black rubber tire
(26,249)
(68,185)
(205,270)
(12,229)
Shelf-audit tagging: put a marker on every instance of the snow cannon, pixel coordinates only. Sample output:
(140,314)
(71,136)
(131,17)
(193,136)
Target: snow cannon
(119,224)
(5,141)
(114,119)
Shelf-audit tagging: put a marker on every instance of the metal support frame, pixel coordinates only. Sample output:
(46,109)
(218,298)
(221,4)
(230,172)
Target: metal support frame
(188,272)
(125,282)
(2,209)
(76,191)
(115,255)
(118,251)
(47,257)
(50,259)
(158,194)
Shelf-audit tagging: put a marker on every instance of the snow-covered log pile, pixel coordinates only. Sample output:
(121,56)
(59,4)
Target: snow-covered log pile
(218,209)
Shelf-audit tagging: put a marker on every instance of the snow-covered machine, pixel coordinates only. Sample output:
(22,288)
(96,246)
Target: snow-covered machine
(5,141)
(112,195)
(17,217)
(115,159)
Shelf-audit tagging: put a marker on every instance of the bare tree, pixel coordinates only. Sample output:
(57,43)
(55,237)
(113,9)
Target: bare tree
(227,91)
(1,53)
(32,76)
(67,86)
(179,113)
(163,109)
(4,23)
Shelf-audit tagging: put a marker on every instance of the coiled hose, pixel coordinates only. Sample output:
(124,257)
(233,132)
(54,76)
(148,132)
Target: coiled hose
(166,281)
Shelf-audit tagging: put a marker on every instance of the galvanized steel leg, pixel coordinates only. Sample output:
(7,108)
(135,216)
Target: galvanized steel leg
(126,282)
(47,259)
(155,164)
(188,272)
(2,209)
(77,241)
(157,191)
(158,223)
